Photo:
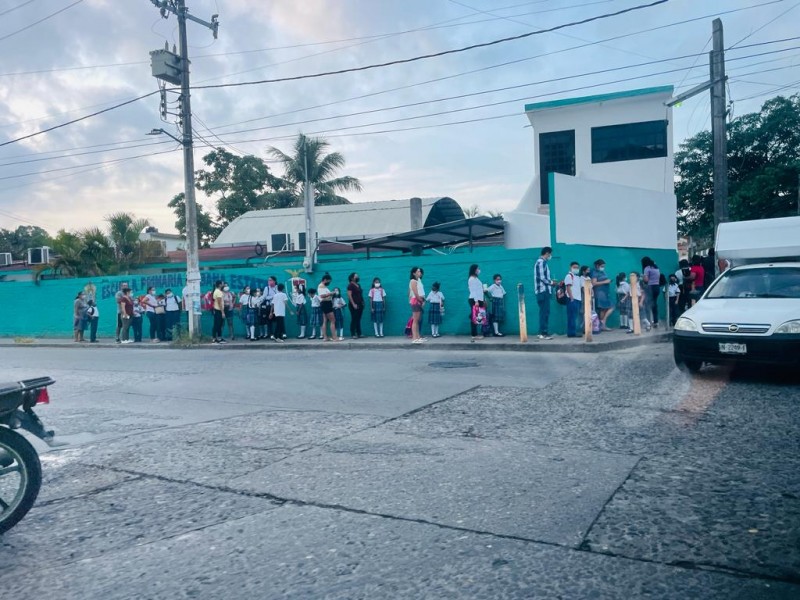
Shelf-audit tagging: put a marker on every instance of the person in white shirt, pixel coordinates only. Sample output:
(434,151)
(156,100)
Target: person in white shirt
(574,284)
(247,302)
(173,314)
(416,297)
(498,310)
(315,322)
(435,308)
(377,304)
(299,301)
(279,302)
(476,298)
(93,314)
(151,303)
(673,293)
(338,312)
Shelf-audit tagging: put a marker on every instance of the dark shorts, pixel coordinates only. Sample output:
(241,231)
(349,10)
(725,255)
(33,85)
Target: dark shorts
(326,306)
(416,307)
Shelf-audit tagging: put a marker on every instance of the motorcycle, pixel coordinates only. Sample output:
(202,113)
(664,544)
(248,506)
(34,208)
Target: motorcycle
(20,469)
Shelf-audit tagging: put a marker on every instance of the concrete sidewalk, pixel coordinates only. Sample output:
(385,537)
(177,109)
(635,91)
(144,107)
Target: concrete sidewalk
(608,340)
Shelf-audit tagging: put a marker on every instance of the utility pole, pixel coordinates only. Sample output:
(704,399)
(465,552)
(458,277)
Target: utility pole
(178,8)
(308,208)
(719,114)
(718,129)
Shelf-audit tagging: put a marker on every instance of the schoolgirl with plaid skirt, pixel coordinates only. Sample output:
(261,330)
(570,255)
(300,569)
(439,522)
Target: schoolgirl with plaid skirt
(338,312)
(377,301)
(248,313)
(315,322)
(497,310)
(435,308)
(624,302)
(299,301)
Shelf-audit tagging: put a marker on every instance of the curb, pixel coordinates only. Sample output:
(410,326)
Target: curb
(533,345)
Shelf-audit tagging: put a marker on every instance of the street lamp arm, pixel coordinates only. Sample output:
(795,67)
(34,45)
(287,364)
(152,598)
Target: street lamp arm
(160,131)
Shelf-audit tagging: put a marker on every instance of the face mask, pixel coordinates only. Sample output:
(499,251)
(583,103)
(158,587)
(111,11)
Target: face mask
(169,295)
(574,271)
(271,284)
(246,291)
(601,269)
(357,279)
(499,281)
(478,272)
(226,289)
(377,285)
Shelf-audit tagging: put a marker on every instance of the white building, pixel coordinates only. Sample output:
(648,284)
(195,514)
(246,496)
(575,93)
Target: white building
(284,228)
(170,242)
(606,163)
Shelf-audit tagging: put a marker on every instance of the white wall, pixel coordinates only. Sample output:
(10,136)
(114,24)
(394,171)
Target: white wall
(596,213)
(651,174)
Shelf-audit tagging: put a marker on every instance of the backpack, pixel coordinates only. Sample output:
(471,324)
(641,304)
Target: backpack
(561,294)
(408,327)
(208,301)
(479,315)
(662,280)
(595,323)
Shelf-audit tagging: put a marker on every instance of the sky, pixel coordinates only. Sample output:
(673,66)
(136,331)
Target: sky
(87,55)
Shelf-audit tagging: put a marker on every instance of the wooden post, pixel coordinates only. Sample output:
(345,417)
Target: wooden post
(587,310)
(523,323)
(637,324)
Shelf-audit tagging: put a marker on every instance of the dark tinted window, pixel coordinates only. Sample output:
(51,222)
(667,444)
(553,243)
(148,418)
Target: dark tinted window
(301,241)
(280,241)
(632,141)
(767,282)
(556,155)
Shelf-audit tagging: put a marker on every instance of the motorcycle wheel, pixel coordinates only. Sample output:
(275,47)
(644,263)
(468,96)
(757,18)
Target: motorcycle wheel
(20,477)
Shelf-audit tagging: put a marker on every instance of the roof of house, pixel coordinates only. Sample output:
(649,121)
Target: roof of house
(664,89)
(360,220)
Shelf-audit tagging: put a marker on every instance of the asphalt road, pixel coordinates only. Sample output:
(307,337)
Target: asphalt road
(398,474)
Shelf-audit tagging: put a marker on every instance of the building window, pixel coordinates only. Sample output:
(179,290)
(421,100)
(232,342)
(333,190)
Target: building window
(556,155)
(632,141)
(280,241)
(301,241)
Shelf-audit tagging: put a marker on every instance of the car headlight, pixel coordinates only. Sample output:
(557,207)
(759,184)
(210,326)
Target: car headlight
(685,324)
(789,327)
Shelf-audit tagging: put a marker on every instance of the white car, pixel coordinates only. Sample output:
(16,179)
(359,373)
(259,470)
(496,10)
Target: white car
(750,314)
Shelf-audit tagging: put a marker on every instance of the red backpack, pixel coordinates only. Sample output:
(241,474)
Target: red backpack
(208,301)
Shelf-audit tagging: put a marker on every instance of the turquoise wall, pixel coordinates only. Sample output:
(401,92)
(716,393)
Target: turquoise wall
(45,310)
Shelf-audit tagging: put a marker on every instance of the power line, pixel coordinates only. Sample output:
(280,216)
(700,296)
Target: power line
(74,154)
(437,54)
(79,119)
(42,20)
(12,9)
(772,91)
(791,8)
(494,66)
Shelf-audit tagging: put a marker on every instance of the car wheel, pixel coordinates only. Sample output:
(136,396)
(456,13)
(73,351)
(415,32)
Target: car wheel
(688,364)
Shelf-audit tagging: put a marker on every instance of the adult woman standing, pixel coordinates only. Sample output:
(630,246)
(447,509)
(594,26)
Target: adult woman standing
(151,302)
(475,298)
(326,306)
(416,297)
(601,285)
(355,300)
(126,314)
(652,278)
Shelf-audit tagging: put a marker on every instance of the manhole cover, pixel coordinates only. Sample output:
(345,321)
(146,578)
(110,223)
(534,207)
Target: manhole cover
(452,365)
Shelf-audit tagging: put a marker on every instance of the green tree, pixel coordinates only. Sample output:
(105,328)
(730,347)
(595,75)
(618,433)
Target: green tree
(129,250)
(763,168)
(207,230)
(243,183)
(309,156)
(23,237)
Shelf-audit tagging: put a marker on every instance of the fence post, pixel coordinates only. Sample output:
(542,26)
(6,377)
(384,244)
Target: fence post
(637,324)
(523,323)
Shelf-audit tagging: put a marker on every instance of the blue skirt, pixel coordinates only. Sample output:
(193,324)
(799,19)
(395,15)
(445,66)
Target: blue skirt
(248,316)
(316,316)
(434,313)
(338,316)
(498,310)
(302,316)
(379,312)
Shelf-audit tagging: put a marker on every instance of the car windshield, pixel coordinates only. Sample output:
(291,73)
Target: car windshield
(767,282)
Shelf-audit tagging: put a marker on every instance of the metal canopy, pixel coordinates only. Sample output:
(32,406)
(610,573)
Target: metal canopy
(436,236)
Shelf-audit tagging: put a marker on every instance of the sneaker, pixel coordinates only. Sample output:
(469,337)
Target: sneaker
(125,342)
(500,334)
(223,341)
(118,341)
(283,337)
(272,337)
(544,336)
(281,340)
(252,339)
(301,337)
(418,341)
(312,337)
(340,338)
(629,331)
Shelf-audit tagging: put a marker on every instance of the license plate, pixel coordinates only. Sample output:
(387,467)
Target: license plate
(733,348)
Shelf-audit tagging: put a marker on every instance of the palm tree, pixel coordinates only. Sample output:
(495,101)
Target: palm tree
(98,254)
(124,230)
(472,211)
(310,160)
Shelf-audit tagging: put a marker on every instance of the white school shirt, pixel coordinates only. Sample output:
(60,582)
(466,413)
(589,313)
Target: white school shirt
(298,299)
(244,300)
(377,294)
(279,301)
(674,290)
(497,291)
(151,303)
(315,301)
(339,302)
(576,283)
(475,289)
(624,288)
(96,312)
(420,289)
(173,303)
(436,297)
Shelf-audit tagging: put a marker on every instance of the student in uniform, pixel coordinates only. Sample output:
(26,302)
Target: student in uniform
(315,322)
(173,308)
(574,286)
(248,313)
(279,302)
(94,317)
(338,312)
(377,305)
(498,308)
(299,301)
(435,308)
